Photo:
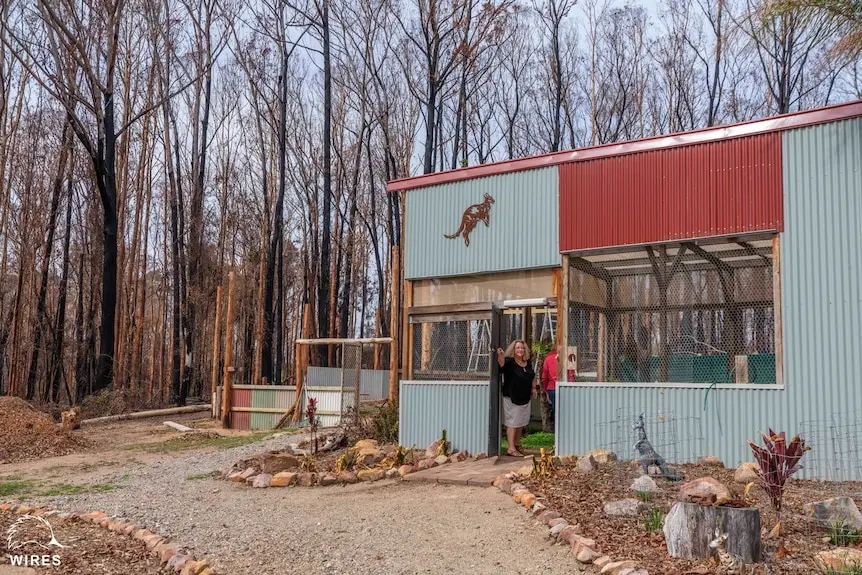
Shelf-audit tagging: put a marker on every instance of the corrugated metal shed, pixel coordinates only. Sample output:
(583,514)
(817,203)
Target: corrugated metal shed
(697,191)
(522,231)
(822,311)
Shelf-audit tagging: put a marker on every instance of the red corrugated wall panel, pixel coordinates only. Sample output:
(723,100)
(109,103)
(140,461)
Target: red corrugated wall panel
(713,189)
(240,420)
(240,397)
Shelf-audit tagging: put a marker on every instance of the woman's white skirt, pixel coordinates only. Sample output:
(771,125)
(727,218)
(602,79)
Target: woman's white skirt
(515,415)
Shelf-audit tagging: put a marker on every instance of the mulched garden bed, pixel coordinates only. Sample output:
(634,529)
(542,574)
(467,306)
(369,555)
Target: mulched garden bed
(26,433)
(88,548)
(580,498)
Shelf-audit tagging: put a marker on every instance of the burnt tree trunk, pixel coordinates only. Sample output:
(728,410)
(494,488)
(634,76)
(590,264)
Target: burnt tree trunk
(323,286)
(57,354)
(41,302)
(275,241)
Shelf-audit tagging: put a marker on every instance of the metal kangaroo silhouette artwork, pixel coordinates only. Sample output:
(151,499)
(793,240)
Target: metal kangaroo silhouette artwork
(472,216)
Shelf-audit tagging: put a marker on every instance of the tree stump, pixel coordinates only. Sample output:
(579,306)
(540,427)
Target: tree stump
(71,419)
(688,529)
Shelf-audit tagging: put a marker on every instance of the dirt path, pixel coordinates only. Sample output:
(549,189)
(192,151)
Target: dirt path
(385,527)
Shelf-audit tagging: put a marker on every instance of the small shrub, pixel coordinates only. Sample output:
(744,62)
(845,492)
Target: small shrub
(308,463)
(345,461)
(653,520)
(397,458)
(373,422)
(777,461)
(311,415)
(444,446)
(385,423)
(842,534)
(544,466)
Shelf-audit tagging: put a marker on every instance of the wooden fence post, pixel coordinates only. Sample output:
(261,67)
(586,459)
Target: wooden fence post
(228,355)
(216,333)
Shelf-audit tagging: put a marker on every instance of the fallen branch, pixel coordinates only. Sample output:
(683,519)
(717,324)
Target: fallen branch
(150,413)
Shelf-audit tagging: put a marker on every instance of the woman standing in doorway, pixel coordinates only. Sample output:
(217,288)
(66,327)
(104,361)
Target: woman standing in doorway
(518,390)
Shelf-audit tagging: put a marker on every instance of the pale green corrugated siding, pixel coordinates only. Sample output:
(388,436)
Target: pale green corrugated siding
(822,315)
(429,407)
(523,231)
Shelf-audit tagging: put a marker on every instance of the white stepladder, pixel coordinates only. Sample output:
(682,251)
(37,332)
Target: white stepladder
(549,325)
(481,347)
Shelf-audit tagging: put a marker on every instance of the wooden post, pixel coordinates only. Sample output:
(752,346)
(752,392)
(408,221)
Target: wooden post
(297,367)
(741,369)
(228,354)
(603,334)
(408,332)
(394,326)
(563,323)
(776,308)
(377,334)
(527,326)
(302,366)
(426,347)
(214,379)
(357,383)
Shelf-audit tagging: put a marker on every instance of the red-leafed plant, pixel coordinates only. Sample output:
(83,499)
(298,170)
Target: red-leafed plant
(777,461)
(311,414)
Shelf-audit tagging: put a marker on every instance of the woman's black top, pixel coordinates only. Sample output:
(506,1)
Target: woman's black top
(517,381)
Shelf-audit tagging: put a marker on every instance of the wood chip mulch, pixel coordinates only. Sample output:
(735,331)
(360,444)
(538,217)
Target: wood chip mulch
(88,548)
(26,433)
(580,498)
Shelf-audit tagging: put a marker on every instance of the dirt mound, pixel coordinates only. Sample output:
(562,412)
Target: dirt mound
(26,433)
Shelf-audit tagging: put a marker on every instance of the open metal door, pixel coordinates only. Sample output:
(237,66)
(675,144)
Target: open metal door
(494,401)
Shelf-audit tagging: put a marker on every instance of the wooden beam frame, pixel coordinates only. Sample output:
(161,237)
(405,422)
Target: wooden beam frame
(777,310)
(394,323)
(341,340)
(588,268)
(449,308)
(407,340)
(563,322)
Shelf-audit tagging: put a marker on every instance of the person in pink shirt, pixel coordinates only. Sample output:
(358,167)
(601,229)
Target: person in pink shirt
(549,379)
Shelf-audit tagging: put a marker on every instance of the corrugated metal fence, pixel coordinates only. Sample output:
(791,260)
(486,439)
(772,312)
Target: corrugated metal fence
(459,407)
(261,406)
(373,383)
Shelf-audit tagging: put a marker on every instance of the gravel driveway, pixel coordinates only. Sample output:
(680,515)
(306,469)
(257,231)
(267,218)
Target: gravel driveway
(384,527)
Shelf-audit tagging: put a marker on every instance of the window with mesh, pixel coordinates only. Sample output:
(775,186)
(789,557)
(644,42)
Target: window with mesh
(451,350)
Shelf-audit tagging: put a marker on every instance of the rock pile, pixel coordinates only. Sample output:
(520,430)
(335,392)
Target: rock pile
(371,462)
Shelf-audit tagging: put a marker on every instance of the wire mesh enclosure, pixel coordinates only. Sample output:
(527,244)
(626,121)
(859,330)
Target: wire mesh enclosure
(338,389)
(677,439)
(836,452)
(451,350)
(684,313)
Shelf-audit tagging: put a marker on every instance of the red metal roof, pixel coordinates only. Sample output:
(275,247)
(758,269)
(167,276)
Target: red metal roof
(716,188)
(714,134)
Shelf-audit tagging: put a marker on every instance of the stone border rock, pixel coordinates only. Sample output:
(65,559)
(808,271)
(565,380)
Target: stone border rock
(583,548)
(257,480)
(169,552)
